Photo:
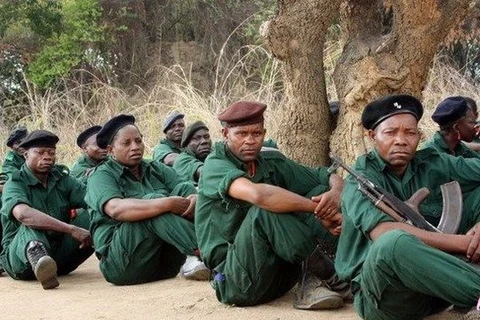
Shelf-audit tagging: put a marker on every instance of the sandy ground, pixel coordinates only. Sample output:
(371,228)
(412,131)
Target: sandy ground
(84,294)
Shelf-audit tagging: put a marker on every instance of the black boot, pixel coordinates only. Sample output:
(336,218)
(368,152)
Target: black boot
(43,266)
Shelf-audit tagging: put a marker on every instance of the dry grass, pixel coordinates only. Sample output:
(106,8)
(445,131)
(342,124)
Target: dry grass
(67,113)
(237,77)
(443,81)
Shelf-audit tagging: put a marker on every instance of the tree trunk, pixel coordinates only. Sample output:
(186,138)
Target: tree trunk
(376,60)
(376,63)
(296,36)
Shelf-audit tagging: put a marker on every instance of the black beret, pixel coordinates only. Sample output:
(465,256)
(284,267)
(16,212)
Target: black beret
(450,110)
(39,138)
(190,131)
(171,118)
(334,107)
(379,110)
(242,113)
(16,136)
(83,137)
(111,127)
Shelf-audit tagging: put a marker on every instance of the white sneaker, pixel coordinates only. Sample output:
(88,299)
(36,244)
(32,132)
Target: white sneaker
(194,269)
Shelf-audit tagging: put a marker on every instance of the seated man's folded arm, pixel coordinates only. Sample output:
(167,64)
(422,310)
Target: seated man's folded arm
(328,203)
(453,243)
(269,197)
(130,209)
(37,219)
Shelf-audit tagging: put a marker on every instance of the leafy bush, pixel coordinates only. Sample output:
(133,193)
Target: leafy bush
(11,72)
(66,29)
(65,51)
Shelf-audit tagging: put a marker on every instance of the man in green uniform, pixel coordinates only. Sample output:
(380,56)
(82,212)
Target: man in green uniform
(197,146)
(475,144)
(457,124)
(92,154)
(168,149)
(259,216)
(397,270)
(14,158)
(13,161)
(139,212)
(39,236)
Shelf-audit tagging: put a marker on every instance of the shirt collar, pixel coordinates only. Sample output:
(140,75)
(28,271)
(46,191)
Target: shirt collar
(263,169)
(32,180)
(89,161)
(121,170)
(171,144)
(381,165)
(439,140)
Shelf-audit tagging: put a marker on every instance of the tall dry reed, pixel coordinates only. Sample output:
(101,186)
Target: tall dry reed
(251,73)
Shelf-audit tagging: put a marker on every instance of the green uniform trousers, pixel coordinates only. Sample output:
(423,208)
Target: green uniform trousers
(151,249)
(263,263)
(402,278)
(61,247)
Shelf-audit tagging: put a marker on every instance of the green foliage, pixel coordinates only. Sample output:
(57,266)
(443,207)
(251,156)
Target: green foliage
(43,18)
(8,13)
(55,60)
(11,73)
(63,52)
(65,28)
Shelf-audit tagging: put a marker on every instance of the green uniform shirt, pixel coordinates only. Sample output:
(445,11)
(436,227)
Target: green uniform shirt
(164,148)
(80,167)
(427,169)
(112,180)
(62,194)
(218,216)
(461,150)
(187,165)
(12,162)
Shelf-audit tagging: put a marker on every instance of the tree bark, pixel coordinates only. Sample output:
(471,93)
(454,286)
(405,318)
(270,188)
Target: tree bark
(296,36)
(374,64)
(376,60)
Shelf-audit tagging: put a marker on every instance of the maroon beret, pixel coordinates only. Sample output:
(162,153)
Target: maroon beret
(242,113)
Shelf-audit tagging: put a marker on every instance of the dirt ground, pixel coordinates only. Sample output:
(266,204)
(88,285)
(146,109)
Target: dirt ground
(84,294)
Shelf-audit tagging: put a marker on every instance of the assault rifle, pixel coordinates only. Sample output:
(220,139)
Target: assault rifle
(407,211)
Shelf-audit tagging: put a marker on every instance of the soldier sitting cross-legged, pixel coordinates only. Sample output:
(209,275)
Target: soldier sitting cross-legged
(399,271)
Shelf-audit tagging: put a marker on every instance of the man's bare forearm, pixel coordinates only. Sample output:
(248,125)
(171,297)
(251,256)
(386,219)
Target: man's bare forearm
(136,209)
(37,219)
(452,243)
(336,183)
